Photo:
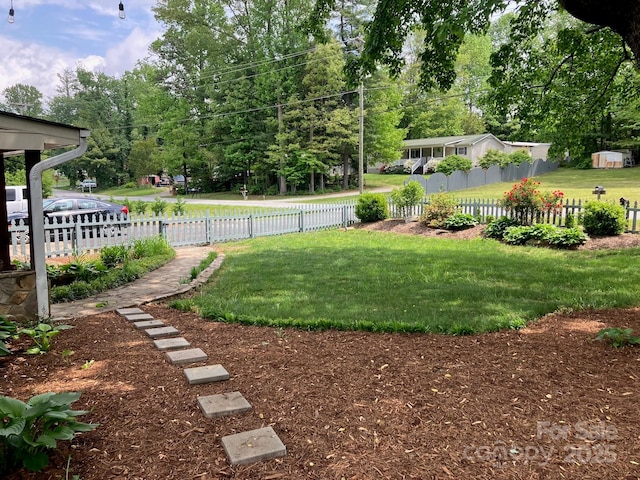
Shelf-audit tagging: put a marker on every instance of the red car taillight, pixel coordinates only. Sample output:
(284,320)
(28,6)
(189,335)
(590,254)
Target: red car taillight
(125,210)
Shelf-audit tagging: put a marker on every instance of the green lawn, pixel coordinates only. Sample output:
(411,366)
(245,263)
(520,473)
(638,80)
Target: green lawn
(385,282)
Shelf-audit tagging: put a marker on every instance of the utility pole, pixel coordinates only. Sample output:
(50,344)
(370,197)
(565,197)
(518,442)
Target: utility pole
(361,139)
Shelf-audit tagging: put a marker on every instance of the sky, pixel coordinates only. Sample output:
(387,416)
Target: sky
(49,36)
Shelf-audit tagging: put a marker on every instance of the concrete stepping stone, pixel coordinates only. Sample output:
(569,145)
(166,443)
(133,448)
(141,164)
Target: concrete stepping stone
(148,324)
(253,446)
(129,311)
(171,343)
(191,355)
(137,317)
(162,332)
(214,406)
(206,374)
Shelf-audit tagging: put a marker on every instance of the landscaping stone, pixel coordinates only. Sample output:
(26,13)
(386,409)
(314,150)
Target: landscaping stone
(137,317)
(129,311)
(206,374)
(214,406)
(171,343)
(148,324)
(162,332)
(253,446)
(191,355)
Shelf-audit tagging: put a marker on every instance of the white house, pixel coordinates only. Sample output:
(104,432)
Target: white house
(417,153)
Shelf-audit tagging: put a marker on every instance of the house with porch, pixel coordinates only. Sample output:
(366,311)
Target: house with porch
(419,155)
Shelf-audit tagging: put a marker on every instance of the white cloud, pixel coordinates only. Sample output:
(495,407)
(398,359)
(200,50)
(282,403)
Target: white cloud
(135,47)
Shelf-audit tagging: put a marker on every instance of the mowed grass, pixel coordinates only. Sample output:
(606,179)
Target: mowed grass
(379,281)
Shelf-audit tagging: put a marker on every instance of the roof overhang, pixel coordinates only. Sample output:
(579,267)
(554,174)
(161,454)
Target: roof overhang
(19,133)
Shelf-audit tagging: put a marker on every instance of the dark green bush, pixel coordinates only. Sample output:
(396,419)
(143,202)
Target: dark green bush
(517,235)
(452,163)
(496,228)
(602,218)
(543,234)
(519,157)
(568,238)
(372,207)
(460,221)
(493,157)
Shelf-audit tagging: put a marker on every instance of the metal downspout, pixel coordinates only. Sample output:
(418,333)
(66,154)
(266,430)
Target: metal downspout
(38,262)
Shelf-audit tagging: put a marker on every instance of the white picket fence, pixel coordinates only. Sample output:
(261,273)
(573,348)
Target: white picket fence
(74,238)
(91,234)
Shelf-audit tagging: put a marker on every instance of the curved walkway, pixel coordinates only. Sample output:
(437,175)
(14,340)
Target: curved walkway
(170,280)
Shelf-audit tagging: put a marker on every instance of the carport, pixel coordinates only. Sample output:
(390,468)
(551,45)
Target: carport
(26,294)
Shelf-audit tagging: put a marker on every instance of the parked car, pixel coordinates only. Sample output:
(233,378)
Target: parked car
(81,209)
(87,184)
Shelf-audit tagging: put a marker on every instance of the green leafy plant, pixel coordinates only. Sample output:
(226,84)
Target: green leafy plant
(496,228)
(179,207)
(88,364)
(112,255)
(569,220)
(602,218)
(618,337)
(7,331)
(494,157)
(66,355)
(452,163)
(372,207)
(441,206)
(29,430)
(158,206)
(568,238)
(460,221)
(518,157)
(407,197)
(42,335)
(138,206)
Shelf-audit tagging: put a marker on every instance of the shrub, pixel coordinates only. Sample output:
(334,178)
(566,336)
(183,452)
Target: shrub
(519,157)
(150,247)
(179,207)
(543,234)
(601,218)
(452,163)
(526,203)
(493,157)
(441,206)
(568,238)
(30,429)
(517,235)
(138,206)
(569,220)
(372,207)
(158,206)
(460,221)
(407,197)
(496,228)
(112,255)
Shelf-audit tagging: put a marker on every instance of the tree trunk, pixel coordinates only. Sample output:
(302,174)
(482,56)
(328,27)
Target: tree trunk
(282,181)
(622,16)
(345,171)
(312,182)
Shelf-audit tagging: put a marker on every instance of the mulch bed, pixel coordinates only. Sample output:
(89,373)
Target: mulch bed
(545,402)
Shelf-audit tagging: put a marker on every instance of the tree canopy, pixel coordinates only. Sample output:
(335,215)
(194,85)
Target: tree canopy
(446,22)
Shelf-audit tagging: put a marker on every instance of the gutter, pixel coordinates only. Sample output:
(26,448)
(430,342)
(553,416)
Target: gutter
(37,218)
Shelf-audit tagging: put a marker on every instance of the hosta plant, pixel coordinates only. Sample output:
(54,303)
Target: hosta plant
(42,335)
(28,431)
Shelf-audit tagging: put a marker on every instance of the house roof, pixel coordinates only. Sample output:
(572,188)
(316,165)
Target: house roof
(19,133)
(460,140)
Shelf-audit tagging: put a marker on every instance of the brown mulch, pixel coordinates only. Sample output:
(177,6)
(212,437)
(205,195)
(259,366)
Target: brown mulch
(545,402)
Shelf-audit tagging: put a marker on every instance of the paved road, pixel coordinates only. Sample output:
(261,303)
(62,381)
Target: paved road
(284,202)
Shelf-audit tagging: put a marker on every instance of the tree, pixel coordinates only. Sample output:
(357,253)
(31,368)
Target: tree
(23,100)
(446,22)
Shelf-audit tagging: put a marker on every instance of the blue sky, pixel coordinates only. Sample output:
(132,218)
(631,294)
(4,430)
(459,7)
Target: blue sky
(51,35)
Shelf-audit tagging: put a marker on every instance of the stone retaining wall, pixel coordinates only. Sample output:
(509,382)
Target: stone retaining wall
(18,295)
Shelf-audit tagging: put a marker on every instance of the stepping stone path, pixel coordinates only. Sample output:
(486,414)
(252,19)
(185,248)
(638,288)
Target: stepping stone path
(241,448)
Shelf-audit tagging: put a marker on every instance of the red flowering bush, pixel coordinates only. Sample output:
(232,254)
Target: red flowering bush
(527,204)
